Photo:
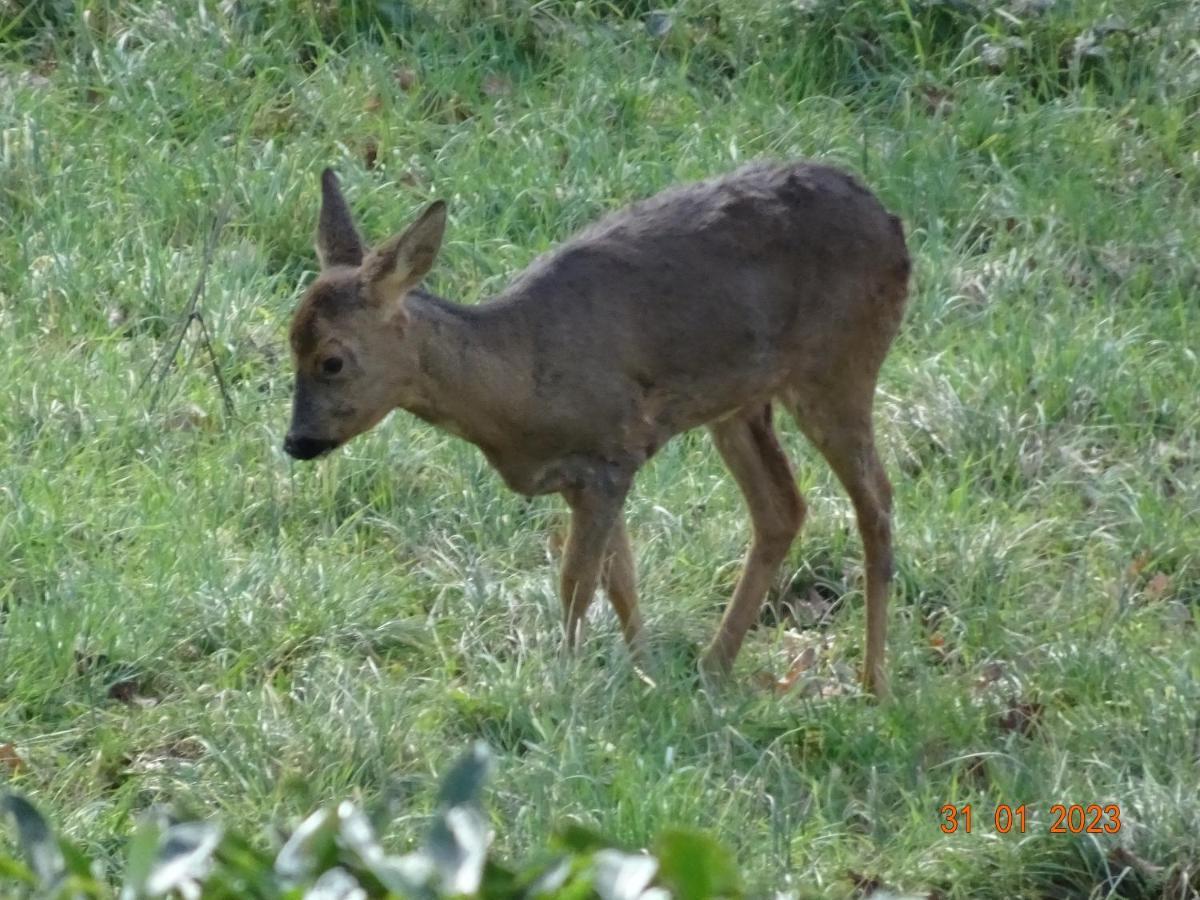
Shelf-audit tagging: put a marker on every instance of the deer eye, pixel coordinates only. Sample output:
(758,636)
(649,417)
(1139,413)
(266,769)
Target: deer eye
(332,365)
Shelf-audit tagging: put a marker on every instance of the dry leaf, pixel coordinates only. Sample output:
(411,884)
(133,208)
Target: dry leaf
(496,85)
(180,751)
(1182,883)
(370,153)
(863,883)
(942,653)
(10,760)
(187,418)
(764,680)
(842,681)
(975,770)
(459,110)
(990,674)
(126,691)
(815,611)
(374,104)
(937,100)
(405,77)
(994,57)
(1123,858)
(1022,718)
(1157,587)
(1139,562)
(1177,614)
(871,888)
(801,664)
(89,662)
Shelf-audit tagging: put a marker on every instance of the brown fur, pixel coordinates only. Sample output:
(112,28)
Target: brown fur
(702,305)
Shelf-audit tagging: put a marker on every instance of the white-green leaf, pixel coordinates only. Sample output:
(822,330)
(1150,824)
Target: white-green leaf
(457,845)
(184,856)
(38,843)
(336,884)
(623,876)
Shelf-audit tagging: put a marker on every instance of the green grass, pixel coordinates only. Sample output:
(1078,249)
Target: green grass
(300,633)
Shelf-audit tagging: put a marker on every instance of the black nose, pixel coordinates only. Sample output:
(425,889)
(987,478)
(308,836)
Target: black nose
(306,447)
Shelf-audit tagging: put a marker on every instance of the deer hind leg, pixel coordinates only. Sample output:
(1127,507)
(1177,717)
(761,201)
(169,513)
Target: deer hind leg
(750,449)
(620,583)
(839,425)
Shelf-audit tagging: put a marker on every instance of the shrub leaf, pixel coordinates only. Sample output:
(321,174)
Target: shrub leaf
(695,866)
(41,850)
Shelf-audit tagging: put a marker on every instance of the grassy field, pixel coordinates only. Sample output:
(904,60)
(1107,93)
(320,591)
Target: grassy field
(188,617)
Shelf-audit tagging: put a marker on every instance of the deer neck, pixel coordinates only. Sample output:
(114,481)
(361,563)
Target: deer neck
(468,375)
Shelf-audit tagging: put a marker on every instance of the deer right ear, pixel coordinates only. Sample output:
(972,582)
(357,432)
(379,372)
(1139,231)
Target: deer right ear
(399,263)
(338,242)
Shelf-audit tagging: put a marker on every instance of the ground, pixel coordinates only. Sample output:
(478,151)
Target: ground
(188,617)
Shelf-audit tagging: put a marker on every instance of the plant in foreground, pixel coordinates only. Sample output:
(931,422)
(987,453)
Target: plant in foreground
(335,855)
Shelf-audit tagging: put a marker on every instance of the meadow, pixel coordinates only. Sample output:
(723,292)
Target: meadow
(187,617)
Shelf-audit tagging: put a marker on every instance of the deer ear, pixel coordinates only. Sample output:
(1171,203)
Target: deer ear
(338,243)
(398,264)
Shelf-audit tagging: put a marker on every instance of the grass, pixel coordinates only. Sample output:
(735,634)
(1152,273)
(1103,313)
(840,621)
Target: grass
(189,618)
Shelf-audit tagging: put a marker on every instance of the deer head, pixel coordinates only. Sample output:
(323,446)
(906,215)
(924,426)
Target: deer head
(352,361)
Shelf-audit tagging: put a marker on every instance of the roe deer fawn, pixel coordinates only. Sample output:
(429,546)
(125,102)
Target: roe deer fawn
(702,305)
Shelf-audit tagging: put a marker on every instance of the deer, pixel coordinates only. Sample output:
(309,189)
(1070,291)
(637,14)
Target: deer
(708,304)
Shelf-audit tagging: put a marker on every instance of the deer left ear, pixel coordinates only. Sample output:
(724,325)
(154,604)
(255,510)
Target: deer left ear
(338,243)
(397,265)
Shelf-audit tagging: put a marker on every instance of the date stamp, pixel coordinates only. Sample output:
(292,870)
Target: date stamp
(1064,818)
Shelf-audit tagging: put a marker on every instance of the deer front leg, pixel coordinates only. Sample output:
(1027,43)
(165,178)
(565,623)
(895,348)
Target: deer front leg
(620,581)
(595,511)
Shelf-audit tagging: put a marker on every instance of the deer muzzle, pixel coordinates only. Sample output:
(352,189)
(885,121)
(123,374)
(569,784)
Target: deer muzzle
(303,447)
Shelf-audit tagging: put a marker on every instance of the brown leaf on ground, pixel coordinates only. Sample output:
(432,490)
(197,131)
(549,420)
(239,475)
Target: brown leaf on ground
(763,680)
(188,417)
(801,664)
(1021,717)
(937,101)
(127,691)
(1157,587)
(460,111)
(1183,882)
(991,673)
(495,85)
(810,672)
(374,104)
(975,770)
(124,691)
(869,887)
(89,662)
(842,681)
(370,153)
(941,652)
(1138,563)
(1178,615)
(405,77)
(10,759)
(815,610)
(863,883)
(177,752)
(1124,858)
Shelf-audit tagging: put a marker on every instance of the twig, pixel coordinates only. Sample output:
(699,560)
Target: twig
(164,361)
(212,356)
